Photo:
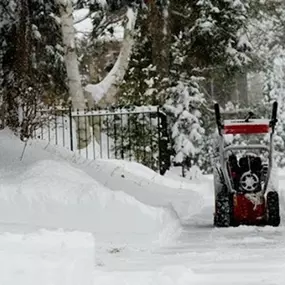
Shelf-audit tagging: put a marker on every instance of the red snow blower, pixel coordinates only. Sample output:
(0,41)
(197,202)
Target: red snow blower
(245,193)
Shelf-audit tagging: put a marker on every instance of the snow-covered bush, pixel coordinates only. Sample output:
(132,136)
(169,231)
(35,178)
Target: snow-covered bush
(185,119)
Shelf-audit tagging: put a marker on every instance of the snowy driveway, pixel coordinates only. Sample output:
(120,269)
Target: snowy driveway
(203,255)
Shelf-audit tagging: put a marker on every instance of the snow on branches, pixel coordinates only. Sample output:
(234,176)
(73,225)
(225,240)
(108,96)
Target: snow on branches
(187,131)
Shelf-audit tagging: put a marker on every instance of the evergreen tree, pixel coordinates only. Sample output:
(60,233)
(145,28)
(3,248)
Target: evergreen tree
(32,62)
(140,85)
(219,34)
(187,133)
(219,46)
(274,91)
(183,105)
(267,33)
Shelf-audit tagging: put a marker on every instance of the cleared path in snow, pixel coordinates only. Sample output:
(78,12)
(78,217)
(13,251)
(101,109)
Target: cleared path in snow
(204,255)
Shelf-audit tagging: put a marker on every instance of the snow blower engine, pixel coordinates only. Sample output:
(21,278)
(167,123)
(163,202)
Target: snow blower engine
(245,193)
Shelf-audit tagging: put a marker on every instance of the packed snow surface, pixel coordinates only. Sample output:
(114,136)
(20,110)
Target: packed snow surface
(68,220)
(45,257)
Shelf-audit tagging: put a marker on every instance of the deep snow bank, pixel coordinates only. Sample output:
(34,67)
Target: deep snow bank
(46,258)
(149,187)
(184,197)
(43,192)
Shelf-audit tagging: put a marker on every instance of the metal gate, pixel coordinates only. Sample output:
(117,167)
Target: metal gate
(136,134)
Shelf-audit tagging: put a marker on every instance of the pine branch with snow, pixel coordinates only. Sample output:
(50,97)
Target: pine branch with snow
(222,27)
(31,61)
(183,107)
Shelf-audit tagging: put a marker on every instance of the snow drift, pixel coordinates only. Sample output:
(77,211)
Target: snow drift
(136,180)
(149,187)
(43,192)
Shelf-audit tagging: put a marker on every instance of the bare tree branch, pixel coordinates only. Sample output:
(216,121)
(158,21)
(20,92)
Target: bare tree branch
(177,13)
(84,18)
(110,19)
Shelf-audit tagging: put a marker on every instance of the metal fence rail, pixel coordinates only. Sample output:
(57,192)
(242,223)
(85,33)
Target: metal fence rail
(136,134)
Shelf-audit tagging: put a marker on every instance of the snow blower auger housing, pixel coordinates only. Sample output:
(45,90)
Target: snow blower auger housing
(245,193)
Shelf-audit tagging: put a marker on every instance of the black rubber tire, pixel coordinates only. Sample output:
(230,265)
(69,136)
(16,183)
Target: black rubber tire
(231,203)
(273,209)
(222,216)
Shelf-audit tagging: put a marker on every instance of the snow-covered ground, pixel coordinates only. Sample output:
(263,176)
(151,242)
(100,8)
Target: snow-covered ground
(67,220)
(47,257)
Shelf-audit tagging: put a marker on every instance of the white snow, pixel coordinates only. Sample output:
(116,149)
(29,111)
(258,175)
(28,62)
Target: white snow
(131,16)
(99,90)
(115,222)
(47,257)
(134,179)
(80,15)
(53,193)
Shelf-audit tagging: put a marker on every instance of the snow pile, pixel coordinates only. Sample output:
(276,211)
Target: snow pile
(167,275)
(149,187)
(43,192)
(181,197)
(46,258)
(56,195)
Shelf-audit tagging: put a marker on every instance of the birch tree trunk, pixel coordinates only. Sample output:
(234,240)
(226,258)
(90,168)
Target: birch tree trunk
(105,91)
(72,68)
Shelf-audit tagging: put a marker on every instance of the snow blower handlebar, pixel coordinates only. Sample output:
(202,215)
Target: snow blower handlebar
(218,118)
(272,124)
(274,120)
(246,126)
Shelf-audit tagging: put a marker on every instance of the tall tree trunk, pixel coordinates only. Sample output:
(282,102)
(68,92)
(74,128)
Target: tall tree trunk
(242,88)
(72,68)
(105,91)
(159,29)
(18,76)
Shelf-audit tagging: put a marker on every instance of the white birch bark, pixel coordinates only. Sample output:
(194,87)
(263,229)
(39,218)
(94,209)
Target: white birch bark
(72,68)
(104,93)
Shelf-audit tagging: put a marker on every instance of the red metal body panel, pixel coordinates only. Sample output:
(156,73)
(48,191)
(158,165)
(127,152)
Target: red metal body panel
(246,129)
(247,212)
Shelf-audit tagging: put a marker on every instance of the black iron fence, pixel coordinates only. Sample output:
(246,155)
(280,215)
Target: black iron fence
(136,134)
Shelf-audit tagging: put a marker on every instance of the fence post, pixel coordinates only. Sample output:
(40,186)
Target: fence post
(163,141)
(70,127)
(159,140)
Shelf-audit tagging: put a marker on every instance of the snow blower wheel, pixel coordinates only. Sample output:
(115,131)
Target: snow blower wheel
(222,216)
(273,210)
